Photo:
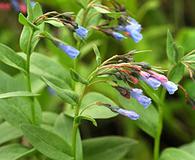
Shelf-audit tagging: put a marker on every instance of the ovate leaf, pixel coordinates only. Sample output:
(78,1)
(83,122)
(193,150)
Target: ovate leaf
(96,111)
(47,142)
(9,57)
(175,154)
(63,127)
(67,95)
(8,132)
(177,73)
(76,77)
(107,148)
(171,53)
(14,152)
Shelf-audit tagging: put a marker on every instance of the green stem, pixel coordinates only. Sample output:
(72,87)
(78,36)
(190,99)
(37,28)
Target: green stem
(76,123)
(160,126)
(28,53)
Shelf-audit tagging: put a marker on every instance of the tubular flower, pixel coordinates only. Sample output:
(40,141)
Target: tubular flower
(152,82)
(170,87)
(69,50)
(158,76)
(138,95)
(133,29)
(130,114)
(118,36)
(81,32)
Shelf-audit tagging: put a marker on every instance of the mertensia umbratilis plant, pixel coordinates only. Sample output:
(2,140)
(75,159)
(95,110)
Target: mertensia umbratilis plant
(139,87)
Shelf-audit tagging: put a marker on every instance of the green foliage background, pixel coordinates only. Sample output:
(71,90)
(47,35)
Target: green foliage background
(156,17)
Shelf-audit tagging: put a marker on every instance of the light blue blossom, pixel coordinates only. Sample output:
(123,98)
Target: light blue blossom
(134,32)
(152,82)
(170,87)
(144,101)
(130,114)
(118,36)
(138,95)
(133,29)
(69,50)
(81,32)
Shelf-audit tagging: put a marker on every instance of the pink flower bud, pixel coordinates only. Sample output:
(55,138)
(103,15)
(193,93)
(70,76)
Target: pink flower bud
(158,76)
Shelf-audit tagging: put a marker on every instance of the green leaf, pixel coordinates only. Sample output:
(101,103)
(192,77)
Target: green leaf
(17,110)
(24,38)
(171,53)
(189,148)
(55,23)
(101,8)
(146,122)
(96,111)
(49,118)
(9,57)
(88,118)
(8,132)
(47,142)
(98,55)
(177,73)
(67,95)
(14,152)
(29,10)
(63,127)
(107,148)
(44,66)
(77,78)
(175,154)
(17,94)
(24,21)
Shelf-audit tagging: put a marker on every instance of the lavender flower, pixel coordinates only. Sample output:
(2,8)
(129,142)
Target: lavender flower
(138,95)
(118,36)
(81,32)
(133,29)
(69,50)
(170,87)
(152,82)
(144,101)
(130,114)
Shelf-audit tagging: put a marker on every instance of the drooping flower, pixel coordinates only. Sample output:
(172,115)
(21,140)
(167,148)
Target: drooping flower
(81,32)
(170,87)
(133,29)
(158,76)
(130,114)
(69,50)
(118,36)
(138,95)
(152,82)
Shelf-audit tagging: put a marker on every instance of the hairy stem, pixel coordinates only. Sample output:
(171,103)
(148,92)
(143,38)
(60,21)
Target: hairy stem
(160,126)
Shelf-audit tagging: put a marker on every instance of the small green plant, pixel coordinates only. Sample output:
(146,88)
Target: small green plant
(139,95)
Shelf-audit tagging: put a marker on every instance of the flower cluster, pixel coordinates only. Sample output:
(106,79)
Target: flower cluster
(123,68)
(125,27)
(68,21)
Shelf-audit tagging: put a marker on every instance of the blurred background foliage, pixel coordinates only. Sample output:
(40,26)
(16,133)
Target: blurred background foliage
(156,17)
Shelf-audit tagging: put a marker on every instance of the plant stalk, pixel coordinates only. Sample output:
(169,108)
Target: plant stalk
(160,126)
(28,53)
